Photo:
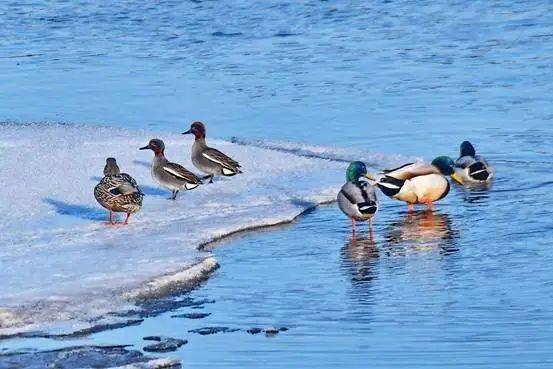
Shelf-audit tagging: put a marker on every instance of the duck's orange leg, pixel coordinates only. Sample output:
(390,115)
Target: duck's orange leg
(428,203)
(353,226)
(127,218)
(410,208)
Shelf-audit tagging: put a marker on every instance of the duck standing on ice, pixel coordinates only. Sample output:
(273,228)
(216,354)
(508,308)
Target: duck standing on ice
(118,192)
(172,176)
(418,183)
(357,198)
(472,168)
(210,160)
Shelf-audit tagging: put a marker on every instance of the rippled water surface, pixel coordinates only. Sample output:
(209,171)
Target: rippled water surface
(468,285)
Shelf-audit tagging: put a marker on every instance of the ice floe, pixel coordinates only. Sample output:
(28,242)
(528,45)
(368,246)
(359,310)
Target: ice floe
(60,263)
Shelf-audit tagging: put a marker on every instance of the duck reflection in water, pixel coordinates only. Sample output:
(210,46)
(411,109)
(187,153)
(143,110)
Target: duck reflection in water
(475,193)
(359,257)
(420,231)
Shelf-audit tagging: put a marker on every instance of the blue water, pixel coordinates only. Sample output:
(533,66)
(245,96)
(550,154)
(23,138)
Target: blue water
(469,285)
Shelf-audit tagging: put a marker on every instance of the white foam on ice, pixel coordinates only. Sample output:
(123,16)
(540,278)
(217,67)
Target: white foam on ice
(376,161)
(60,262)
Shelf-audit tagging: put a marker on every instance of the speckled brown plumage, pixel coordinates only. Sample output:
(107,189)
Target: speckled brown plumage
(118,192)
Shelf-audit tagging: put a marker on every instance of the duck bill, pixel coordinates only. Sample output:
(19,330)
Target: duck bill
(457,178)
(370,176)
(187,132)
(144,148)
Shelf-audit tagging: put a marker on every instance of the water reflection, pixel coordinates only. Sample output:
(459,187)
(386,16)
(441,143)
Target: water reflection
(359,256)
(421,231)
(475,193)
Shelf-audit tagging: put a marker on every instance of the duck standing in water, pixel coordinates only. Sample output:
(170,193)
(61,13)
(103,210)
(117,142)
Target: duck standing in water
(472,168)
(210,160)
(418,183)
(172,176)
(118,192)
(357,198)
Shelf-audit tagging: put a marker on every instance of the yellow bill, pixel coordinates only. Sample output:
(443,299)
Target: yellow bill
(370,176)
(457,178)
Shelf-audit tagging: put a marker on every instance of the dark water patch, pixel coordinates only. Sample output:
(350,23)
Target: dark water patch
(205,331)
(285,34)
(271,332)
(223,34)
(191,315)
(20,56)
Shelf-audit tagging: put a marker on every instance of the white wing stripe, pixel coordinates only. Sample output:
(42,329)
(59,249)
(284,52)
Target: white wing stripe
(173,172)
(212,159)
(388,185)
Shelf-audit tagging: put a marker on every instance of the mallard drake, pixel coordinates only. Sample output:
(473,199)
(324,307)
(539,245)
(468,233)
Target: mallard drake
(170,175)
(357,198)
(118,192)
(210,160)
(471,168)
(418,183)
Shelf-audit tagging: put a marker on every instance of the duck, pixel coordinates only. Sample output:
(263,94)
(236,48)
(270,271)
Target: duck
(170,175)
(209,160)
(357,198)
(419,182)
(118,192)
(472,168)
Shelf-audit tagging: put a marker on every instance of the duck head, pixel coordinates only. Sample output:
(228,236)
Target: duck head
(446,166)
(357,170)
(156,145)
(467,149)
(197,129)
(111,168)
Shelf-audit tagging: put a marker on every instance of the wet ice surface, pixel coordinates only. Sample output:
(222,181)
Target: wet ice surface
(62,262)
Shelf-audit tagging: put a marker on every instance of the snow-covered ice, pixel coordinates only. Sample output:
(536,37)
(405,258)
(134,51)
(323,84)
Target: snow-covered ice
(60,262)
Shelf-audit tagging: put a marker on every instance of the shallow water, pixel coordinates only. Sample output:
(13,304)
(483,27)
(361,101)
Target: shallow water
(469,285)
